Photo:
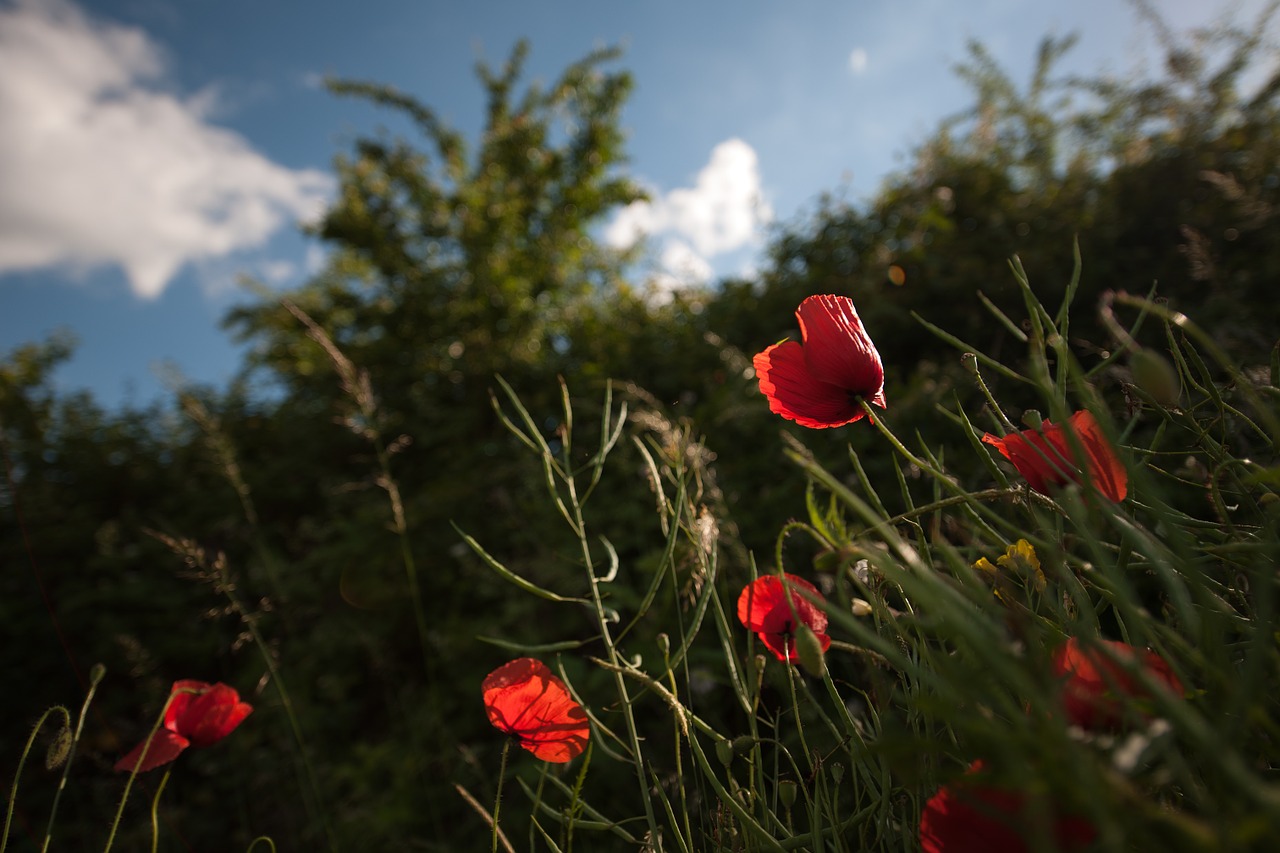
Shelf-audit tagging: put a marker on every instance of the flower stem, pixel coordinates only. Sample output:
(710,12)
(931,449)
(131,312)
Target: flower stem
(497,801)
(17,776)
(133,774)
(155,810)
(95,678)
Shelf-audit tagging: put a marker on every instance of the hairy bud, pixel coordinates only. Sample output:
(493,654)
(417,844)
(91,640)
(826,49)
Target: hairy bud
(58,750)
(810,652)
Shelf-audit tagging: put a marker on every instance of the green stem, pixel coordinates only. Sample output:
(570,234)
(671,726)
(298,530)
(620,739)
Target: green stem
(95,678)
(13,792)
(155,811)
(792,675)
(497,801)
(620,684)
(133,774)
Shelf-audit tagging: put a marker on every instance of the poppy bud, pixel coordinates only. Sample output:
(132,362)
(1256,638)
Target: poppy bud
(743,744)
(664,644)
(96,673)
(1153,374)
(809,649)
(837,772)
(724,752)
(787,791)
(1032,418)
(861,607)
(58,750)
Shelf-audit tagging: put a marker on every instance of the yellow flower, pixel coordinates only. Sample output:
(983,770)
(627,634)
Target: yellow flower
(1019,560)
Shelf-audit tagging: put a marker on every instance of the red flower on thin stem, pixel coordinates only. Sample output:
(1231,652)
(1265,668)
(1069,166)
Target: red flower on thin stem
(774,613)
(972,817)
(822,382)
(198,714)
(527,701)
(1097,683)
(1046,458)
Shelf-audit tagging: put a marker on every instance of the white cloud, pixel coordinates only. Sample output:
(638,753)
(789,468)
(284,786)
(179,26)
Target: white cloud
(723,211)
(99,164)
(858,61)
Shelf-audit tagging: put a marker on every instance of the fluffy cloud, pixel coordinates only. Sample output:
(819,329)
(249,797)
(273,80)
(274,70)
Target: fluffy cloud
(722,212)
(99,164)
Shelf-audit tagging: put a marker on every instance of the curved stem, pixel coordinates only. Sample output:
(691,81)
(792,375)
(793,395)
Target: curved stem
(17,776)
(95,678)
(155,810)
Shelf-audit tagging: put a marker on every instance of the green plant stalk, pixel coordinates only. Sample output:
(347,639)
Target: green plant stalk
(497,800)
(95,678)
(133,774)
(17,776)
(155,810)
(684,799)
(620,684)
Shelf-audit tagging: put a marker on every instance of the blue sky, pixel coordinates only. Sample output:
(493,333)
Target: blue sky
(153,151)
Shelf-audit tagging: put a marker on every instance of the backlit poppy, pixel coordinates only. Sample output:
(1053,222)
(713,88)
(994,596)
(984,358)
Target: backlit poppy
(1046,459)
(1096,682)
(199,714)
(822,381)
(524,699)
(970,817)
(763,607)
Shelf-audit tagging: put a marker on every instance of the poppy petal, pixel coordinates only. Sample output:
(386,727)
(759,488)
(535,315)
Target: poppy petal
(973,818)
(837,347)
(206,716)
(819,383)
(1043,456)
(525,699)
(763,607)
(794,393)
(1096,683)
(1105,470)
(165,747)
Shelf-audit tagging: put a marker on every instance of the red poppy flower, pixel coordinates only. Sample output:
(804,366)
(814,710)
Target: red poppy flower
(200,715)
(1044,458)
(1096,682)
(763,607)
(970,817)
(524,699)
(822,382)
